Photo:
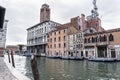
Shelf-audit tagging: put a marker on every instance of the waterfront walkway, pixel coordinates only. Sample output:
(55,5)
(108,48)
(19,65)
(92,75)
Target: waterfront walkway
(5,73)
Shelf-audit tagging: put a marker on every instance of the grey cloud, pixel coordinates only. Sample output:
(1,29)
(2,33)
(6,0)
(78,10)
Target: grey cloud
(25,13)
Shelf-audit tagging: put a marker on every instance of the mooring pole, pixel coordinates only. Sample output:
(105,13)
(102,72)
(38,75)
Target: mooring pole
(12,58)
(9,57)
(34,68)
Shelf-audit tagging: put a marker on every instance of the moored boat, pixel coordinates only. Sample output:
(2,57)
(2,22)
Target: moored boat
(102,59)
(54,57)
(27,54)
(71,58)
(43,55)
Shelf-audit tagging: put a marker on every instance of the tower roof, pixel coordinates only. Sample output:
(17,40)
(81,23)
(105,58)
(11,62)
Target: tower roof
(45,5)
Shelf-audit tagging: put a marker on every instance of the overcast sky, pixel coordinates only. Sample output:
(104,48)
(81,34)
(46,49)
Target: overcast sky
(23,14)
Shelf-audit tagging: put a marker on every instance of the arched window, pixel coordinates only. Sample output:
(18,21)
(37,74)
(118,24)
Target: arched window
(97,39)
(105,38)
(88,40)
(100,38)
(111,38)
(91,31)
(93,40)
(85,40)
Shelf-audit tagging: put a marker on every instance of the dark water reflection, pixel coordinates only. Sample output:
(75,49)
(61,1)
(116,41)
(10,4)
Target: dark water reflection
(55,69)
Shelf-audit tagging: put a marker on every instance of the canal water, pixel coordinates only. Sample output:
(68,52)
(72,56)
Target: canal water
(56,69)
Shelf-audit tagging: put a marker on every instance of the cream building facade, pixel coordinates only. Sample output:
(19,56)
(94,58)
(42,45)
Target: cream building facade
(37,34)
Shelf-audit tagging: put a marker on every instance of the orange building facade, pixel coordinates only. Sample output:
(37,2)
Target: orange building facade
(57,42)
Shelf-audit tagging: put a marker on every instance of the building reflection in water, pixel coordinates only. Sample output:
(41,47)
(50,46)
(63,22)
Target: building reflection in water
(28,68)
(55,69)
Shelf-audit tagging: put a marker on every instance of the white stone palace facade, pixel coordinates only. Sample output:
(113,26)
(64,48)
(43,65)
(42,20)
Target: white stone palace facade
(37,34)
(3,37)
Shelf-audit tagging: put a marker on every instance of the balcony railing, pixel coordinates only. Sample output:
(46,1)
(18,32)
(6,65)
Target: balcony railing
(102,43)
(37,43)
(96,43)
(89,44)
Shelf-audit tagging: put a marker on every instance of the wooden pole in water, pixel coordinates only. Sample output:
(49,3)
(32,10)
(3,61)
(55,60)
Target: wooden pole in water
(34,68)
(9,57)
(12,58)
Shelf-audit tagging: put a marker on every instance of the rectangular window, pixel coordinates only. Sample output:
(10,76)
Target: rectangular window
(54,33)
(59,45)
(45,29)
(86,53)
(64,52)
(54,45)
(81,53)
(54,39)
(73,37)
(64,38)
(59,39)
(42,29)
(113,55)
(59,32)
(50,46)
(64,45)
(64,31)
(51,40)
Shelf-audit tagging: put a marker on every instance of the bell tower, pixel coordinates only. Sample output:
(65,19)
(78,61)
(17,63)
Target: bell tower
(44,13)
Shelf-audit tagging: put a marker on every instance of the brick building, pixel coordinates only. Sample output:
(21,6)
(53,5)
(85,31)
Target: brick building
(44,13)
(13,48)
(57,42)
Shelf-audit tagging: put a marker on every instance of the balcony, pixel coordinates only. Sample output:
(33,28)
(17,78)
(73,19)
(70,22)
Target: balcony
(37,43)
(89,44)
(96,43)
(102,43)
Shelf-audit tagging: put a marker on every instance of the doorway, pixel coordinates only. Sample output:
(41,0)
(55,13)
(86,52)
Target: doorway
(102,51)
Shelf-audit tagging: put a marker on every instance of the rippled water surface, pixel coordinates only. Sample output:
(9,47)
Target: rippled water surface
(56,69)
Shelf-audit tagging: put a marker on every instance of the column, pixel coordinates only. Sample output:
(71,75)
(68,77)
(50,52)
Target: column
(96,52)
(108,52)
